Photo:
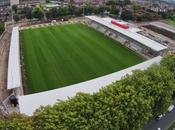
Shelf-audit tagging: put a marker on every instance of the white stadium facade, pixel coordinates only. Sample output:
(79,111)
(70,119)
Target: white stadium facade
(122,33)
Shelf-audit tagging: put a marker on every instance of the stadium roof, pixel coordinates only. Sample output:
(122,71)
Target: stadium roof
(14,71)
(29,103)
(135,36)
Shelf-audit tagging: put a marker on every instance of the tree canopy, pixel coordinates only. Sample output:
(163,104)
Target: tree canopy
(16,17)
(15,8)
(38,12)
(2,28)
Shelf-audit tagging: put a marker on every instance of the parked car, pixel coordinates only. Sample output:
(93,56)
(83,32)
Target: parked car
(170,108)
(160,117)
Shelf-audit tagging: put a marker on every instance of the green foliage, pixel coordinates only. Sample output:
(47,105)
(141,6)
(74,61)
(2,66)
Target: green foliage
(136,7)
(57,13)
(123,2)
(38,12)
(168,15)
(169,62)
(78,11)
(111,2)
(16,122)
(27,11)
(155,83)
(52,13)
(89,9)
(2,27)
(16,17)
(3,124)
(127,15)
(114,10)
(15,8)
(47,1)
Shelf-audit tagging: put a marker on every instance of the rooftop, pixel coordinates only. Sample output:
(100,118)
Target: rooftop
(133,35)
(14,68)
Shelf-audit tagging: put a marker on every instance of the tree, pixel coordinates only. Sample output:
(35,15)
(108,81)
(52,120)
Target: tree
(71,3)
(16,122)
(2,28)
(169,62)
(38,12)
(47,1)
(114,10)
(15,8)
(127,15)
(101,10)
(89,9)
(27,12)
(7,15)
(16,17)
(136,7)
(63,11)
(147,16)
(53,13)
(71,10)
(61,2)
(123,3)
(110,2)
(162,92)
(126,2)
(158,85)
(78,11)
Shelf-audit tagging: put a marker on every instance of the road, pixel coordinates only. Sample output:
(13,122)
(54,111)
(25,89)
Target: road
(163,123)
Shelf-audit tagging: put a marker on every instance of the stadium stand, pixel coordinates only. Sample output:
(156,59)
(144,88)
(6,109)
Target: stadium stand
(118,30)
(14,69)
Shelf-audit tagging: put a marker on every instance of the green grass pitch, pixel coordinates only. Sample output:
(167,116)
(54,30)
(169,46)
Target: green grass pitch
(58,56)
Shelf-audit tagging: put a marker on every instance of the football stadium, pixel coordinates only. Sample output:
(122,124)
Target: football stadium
(55,61)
